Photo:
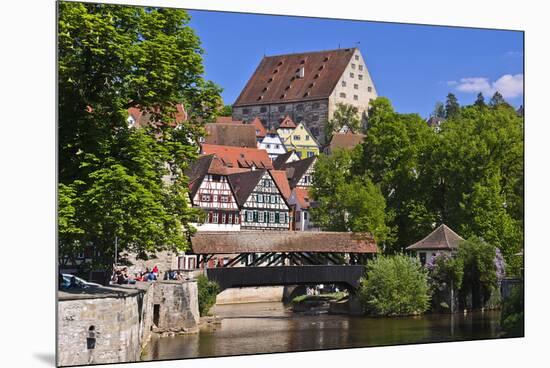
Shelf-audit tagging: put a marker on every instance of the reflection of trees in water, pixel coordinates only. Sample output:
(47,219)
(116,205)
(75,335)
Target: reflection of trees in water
(318,332)
(268,327)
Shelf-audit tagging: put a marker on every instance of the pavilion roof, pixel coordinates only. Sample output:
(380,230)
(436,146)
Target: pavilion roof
(442,238)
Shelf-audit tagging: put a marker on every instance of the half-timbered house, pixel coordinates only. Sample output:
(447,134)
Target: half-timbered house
(210,191)
(300,173)
(263,204)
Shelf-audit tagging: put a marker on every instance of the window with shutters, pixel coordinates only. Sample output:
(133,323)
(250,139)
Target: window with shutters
(271,217)
(249,216)
(282,217)
(360,76)
(360,67)
(215,218)
(351,75)
(260,198)
(261,217)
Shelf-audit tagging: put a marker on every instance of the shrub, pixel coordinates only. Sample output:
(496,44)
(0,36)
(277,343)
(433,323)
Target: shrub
(512,313)
(395,285)
(207,291)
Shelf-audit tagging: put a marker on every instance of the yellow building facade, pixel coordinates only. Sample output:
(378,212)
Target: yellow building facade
(300,140)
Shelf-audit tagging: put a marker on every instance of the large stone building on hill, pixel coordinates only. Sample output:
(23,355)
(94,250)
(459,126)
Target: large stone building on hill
(306,86)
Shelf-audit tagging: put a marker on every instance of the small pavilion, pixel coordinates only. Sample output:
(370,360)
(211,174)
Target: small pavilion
(441,240)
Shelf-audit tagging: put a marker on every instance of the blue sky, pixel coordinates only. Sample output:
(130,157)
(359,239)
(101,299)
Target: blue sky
(414,66)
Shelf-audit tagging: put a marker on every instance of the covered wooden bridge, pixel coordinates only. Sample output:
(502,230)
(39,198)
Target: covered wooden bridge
(261,258)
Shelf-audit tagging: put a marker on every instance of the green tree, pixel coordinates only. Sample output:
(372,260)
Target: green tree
(439,110)
(394,155)
(480,100)
(118,181)
(227,110)
(452,108)
(395,285)
(480,274)
(346,202)
(476,168)
(345,114)
(497,100)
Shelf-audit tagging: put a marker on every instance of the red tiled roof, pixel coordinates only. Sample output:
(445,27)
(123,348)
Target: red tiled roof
(276,77)
(302,197)
(280,179)
(239,156)
(259,127)
(252,241)
(239,135)
(228,120)
(143,117)
(287,122)
(345,141)
(442,238)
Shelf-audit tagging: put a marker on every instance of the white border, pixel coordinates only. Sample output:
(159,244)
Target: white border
(28,181)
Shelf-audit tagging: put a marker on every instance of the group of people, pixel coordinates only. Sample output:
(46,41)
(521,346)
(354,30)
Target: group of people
(121,276)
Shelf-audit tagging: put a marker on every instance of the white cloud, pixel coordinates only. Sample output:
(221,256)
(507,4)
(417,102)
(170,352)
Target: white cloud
(508,85)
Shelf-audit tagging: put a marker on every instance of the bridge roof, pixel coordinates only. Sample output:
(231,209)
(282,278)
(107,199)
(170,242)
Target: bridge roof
(229,242)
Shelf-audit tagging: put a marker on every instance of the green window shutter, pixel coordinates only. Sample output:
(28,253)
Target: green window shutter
(255,216)
(276,216)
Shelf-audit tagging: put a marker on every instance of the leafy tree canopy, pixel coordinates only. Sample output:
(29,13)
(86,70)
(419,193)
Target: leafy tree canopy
(345,114)
(452,107)
(346,202)
(115,180)
(439,110)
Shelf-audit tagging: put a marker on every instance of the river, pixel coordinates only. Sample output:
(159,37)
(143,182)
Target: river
(270,327)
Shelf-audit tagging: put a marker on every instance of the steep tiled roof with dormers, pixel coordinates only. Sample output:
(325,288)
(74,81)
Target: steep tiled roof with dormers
(295,77)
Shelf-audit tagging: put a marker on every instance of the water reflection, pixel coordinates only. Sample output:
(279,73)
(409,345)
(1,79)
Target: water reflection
(269,327)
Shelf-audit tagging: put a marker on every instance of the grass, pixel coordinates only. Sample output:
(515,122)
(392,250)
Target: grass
(330,296)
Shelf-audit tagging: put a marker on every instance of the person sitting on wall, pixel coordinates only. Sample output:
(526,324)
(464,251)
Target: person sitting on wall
(156,271)
(121,278)
(151,276)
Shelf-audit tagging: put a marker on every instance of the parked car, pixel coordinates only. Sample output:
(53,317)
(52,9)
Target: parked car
(79,282)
